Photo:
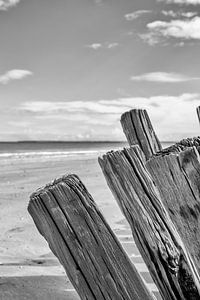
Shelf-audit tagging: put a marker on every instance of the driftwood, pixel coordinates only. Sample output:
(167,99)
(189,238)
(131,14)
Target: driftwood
(95,262)
(156,237)
(139,131)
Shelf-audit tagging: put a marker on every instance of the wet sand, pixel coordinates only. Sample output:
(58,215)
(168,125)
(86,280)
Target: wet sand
(28,269)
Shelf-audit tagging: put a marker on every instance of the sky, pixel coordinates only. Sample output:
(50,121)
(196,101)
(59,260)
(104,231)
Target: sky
(70,68)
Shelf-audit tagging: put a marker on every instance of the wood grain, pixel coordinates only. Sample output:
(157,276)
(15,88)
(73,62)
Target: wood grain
(198,113)
(157,239)
(139,131)
(180,146)
(77,233)
(177,176)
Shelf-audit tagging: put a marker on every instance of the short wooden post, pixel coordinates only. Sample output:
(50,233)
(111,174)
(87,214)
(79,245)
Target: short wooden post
(181,146)
(139,131)
(157,239)
(98,267)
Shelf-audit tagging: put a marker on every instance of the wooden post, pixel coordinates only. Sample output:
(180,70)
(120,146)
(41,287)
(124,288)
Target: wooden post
(198,112)
(95,262)
(156,237)
(177,176)
(139,131)
(181,146)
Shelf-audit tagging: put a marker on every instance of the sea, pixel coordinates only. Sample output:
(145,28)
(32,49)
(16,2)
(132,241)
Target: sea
(42,151)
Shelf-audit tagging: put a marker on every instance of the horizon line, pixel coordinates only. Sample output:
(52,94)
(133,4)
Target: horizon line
(78,141)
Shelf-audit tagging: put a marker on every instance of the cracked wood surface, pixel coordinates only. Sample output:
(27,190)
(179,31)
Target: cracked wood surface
(180,146)
(178,182)
(77,233)
(177,176)
(139,131)
(157,239)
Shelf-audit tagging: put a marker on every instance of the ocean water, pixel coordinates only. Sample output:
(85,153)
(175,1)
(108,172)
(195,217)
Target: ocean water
(55,150)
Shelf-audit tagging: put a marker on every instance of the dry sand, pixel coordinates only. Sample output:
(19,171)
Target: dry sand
(28,269)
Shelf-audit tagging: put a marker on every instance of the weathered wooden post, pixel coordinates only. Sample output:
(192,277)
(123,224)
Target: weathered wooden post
(157,239)
(139,131)
(198,112)
(176,173)
(177,177)
(180,146)
(77,233)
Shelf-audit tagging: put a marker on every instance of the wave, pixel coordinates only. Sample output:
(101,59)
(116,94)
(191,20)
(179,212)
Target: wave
(50,154)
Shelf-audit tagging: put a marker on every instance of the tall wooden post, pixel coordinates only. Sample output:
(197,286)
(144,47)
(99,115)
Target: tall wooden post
(177,176)
(77,233)
(198,112)
(139,131)
(157,239)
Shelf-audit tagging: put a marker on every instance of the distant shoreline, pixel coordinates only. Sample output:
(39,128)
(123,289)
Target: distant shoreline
(50,141)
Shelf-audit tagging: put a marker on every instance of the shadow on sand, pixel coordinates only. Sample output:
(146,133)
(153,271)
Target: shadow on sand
(37,288)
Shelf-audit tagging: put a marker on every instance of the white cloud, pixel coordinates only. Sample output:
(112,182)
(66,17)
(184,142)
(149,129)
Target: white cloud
(163,77)
(112,45)
(100,107)
(97,46)
(14,75)
(169,13)
(150,38)
(110,107)
(175,14)
(168,115)
(189,14)
(187,29)
(187,2)
(6,4)
(136,14)
(181,44)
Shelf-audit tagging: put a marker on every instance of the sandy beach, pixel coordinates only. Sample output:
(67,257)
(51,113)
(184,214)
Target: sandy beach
(28,269)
